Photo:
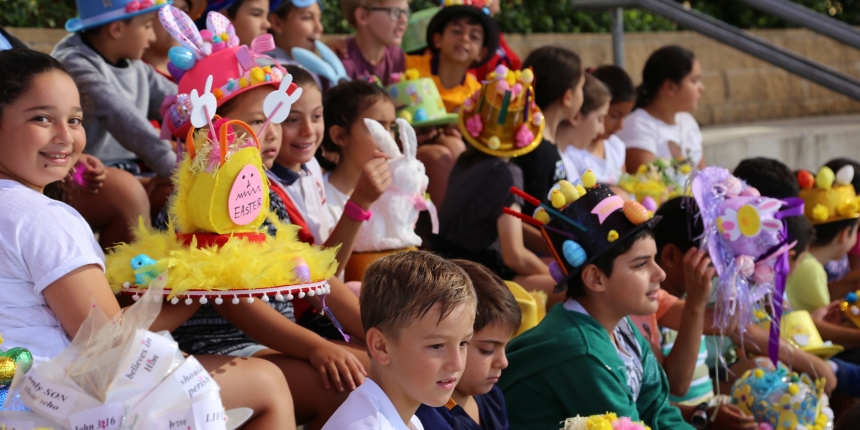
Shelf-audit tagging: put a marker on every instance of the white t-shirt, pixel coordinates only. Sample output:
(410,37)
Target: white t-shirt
(335,201)
(683,139)
(607,170)
(369,408)
(41,240)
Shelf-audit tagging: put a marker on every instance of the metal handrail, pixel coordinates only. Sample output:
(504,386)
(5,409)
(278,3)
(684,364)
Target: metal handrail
(718,30)
(804,17)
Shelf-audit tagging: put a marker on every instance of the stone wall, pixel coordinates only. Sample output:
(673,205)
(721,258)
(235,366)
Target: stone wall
(740,88)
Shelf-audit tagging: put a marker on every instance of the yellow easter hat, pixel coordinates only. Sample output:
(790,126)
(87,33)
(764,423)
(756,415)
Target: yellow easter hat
(829,197)
(798,328)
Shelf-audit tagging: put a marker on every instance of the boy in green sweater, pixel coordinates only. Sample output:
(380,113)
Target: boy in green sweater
(585,358)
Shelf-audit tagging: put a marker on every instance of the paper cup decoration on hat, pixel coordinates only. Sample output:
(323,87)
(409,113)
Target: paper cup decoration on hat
(783,400)
(502,119)
(581,222)
(213,52)
(218,251)
(120,376)
(829,196)
(747,244)
(655,183)
(418,100)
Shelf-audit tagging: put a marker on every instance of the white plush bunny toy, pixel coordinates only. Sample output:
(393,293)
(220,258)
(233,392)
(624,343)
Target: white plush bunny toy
(396,211)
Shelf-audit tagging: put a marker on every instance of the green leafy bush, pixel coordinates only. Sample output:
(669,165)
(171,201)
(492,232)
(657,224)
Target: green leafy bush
(517,16)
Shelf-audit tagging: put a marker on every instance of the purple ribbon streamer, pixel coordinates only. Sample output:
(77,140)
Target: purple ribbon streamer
(794,207)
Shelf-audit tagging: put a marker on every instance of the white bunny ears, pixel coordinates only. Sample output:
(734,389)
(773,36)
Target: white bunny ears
(276,105)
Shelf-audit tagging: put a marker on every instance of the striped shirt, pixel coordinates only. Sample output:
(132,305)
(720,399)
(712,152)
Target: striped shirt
(701,387)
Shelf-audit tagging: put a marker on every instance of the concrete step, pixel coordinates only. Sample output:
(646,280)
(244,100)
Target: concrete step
(803,143)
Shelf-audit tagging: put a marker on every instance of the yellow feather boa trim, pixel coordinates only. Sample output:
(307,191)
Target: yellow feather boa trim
(238,265)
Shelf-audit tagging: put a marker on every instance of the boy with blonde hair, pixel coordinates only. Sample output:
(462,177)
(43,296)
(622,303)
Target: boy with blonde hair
(379,27)
(418,310)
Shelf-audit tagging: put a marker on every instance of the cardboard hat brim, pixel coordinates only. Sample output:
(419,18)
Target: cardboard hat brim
(75,25)
(562,285)
(491,29)
(446,119)
(824,352)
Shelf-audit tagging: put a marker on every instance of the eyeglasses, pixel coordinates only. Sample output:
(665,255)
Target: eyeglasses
(393,12)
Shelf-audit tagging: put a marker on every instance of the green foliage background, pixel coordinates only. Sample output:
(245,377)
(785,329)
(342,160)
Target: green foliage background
(517,16)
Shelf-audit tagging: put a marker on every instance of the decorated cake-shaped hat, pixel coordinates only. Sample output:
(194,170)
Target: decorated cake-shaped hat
(781,399)
(218,249)
(502,119)
(418,100)
(581,222)
(829,197)
(214,52)
(747,243)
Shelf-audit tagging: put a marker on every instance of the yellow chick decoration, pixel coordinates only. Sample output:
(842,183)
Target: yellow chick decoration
(825,177)
(571,194)
(557,199)
(411,74)
(541,215)
(589,179)
(820,213)
(581,189)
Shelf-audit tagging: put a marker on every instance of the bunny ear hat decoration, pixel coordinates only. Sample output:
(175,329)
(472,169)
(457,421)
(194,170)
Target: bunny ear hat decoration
(326,64)
(214,52)
(747,242)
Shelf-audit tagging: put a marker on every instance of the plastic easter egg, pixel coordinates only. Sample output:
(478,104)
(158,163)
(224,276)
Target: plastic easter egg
(733,186)
(469,105)
(555,271)
(589,179)
(750,192)
(501,72)
(502,87)
(527,76)
(824,178)
(541,215)
(649,203)
(557,199)
(175,72)
(301,270)
(573,253)
(635,212)
(7,370)
(851,297)
(181,57)
(845,175)
(537,119)
(420,115)
(516,89)
(763,274)
(405,115)
(494,143)
(805,179)
(746,265)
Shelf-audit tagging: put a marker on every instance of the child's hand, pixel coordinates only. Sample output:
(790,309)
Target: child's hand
(426,134)
(829,313)
(452,132)
(337,365)
(730,417)
(374,180)
(698,274)
(93,175)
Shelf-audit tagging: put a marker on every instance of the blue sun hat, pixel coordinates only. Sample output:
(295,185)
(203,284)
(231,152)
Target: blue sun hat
(301,4)
(93,13)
